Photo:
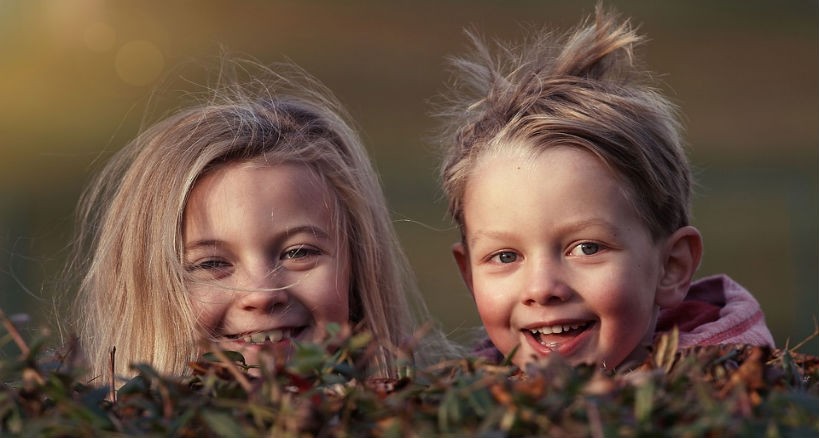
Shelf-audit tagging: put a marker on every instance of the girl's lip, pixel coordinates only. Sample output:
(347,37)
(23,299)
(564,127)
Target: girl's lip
(268,336)
(565,344)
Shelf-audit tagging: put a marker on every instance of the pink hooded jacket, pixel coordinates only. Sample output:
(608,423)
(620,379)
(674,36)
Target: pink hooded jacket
(717,310)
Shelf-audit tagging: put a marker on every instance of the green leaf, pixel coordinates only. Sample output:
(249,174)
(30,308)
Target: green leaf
(222,424)
(644,401)
(233,356)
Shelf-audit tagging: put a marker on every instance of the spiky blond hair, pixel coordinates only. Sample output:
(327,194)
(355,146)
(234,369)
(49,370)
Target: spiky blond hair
(583,89)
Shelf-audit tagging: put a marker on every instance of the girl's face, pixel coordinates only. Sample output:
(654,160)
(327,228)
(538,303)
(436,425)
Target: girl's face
(557,259)
(264,259)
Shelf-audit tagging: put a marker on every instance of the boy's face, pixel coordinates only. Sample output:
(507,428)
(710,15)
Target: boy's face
(557,259)
(263,257)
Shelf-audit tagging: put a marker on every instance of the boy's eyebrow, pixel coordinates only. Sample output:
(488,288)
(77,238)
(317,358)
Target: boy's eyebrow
(586,223)
(498,235)
(562,228)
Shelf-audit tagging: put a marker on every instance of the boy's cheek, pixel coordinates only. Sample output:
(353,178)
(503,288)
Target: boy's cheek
(491,308)
(496,325)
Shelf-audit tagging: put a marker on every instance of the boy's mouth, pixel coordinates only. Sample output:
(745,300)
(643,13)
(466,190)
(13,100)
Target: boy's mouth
(551,336)
(261,337)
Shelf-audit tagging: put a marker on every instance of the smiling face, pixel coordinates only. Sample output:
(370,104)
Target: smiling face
(557,259)
(263,256)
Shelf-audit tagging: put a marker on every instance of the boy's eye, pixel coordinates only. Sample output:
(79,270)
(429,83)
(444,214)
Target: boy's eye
(585,248)
(505,257)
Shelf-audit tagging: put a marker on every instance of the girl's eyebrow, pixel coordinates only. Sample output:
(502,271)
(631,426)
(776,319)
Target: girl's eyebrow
(204,243)
(308,229)
(312,230)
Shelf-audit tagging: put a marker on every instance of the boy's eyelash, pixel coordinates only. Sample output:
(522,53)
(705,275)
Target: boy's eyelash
(591,248)
(498,256)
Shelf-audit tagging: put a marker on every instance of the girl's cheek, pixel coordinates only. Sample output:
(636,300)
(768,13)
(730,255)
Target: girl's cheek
(207,312)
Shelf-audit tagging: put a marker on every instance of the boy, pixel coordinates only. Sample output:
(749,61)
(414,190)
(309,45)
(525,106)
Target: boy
(568,180)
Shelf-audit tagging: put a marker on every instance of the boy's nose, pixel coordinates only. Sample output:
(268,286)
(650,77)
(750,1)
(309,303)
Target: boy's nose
(545,284)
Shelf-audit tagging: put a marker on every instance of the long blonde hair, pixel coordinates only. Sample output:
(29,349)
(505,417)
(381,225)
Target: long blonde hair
(132,294)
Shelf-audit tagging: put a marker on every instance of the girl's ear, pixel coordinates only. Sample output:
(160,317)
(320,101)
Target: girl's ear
(461,254)
(681,258)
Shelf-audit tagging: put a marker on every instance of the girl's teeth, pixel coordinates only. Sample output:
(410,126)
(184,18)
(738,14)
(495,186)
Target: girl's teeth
(268,336)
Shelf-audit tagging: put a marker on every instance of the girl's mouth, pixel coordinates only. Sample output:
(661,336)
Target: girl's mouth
(267,336)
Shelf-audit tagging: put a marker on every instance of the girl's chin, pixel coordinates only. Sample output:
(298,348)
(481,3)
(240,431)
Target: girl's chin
(266,353)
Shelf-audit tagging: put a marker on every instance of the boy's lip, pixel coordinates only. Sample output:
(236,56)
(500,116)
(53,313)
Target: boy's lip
(557,326)
(561,336)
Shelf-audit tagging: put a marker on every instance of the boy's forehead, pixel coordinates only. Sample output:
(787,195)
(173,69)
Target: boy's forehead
(522,149)
(521,155)
(527,178)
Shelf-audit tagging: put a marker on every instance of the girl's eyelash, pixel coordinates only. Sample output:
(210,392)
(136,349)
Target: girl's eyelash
(206,265)
(300,251)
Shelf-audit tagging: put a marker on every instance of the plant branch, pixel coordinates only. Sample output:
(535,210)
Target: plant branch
(15,334)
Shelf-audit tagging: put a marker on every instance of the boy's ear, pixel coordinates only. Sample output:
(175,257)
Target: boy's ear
(681,258)
(461,254)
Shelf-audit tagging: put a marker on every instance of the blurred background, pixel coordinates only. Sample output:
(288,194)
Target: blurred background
(79,77)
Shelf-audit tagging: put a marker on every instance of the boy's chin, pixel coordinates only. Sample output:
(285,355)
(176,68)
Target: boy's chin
(630,362)
(635,358)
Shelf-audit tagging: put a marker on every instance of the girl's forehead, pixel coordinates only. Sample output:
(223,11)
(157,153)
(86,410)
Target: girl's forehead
(286,193)
(299,182)
(306,172)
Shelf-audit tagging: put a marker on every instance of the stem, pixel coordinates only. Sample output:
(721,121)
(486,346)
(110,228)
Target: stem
(15,335)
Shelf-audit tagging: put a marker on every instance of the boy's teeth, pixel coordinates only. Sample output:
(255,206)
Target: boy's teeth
(268,336)
(556,329)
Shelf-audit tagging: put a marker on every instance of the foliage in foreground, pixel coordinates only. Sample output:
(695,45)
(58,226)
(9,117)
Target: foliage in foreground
(322,391)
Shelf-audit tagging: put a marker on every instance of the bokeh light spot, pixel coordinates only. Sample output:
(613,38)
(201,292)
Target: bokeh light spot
(139,62)
(99,37)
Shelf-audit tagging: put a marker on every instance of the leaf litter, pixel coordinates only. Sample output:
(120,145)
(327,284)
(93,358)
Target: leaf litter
(325,390)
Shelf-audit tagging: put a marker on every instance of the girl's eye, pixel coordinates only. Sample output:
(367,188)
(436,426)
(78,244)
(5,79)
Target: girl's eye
(585,248)
(209,265)
(299,252)
(505,257)
(210,269)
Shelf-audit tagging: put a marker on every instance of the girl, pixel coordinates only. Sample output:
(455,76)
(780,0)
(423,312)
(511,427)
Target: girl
(251,220)
(566,175)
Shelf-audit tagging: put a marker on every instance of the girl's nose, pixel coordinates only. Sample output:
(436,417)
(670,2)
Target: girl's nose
(545,284)
(262,291)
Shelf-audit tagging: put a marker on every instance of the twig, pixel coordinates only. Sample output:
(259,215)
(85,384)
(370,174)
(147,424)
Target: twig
(112,364)
(15,335)
(810,336)
(595,423)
